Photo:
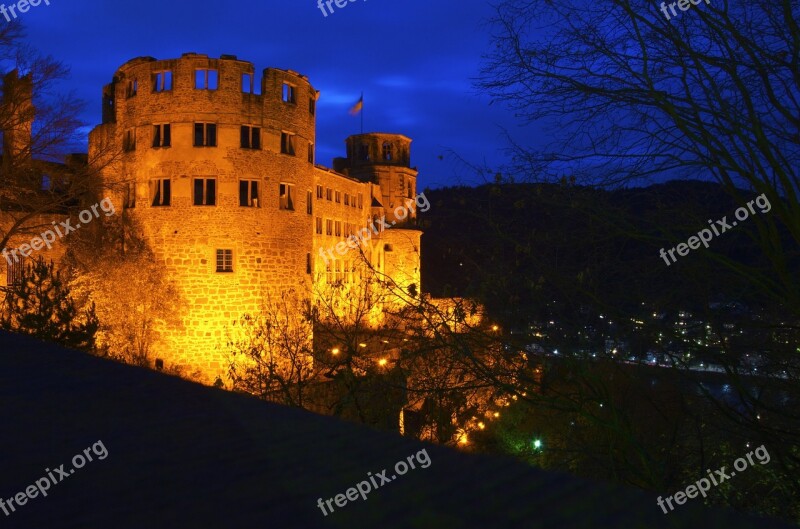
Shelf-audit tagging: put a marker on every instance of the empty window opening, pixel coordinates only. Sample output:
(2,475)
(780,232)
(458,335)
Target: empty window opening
(248,193)
(161,191)
(205,135)
(206,79)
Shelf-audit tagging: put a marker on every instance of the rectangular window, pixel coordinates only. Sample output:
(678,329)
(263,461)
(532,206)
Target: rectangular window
(338,197)
(205,135)
(329,227)
(162,81)
(319,192)
(206,79)
(338,227)
(312,106)
(347,199)
(250,137)
(328,273)
(247,83)
(364,152)
(360,201)
(130,195)
(289,93)
(319,225)
(205,191)
(309,202)
(161,191)
(225,261)
(132,88)
(162,135)
(248,193)
(15,269)
(310,152)
(308,263)
(287,143)
(286,192)
(129,141)
(338,266)
(328,193)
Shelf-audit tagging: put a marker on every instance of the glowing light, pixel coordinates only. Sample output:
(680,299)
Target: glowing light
(537,444)
(497,414)
(382,362)
(462,438)
(362,345)
(481,425)
(335,351)
(495,328)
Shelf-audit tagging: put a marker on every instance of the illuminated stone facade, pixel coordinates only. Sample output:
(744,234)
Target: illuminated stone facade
(217,167)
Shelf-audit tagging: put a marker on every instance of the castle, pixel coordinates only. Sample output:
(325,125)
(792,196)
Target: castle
(217,166)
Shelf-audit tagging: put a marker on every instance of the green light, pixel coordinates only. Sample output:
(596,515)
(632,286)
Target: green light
(537,444)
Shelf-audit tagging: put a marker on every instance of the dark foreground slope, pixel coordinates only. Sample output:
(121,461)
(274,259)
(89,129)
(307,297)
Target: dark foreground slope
(186,456)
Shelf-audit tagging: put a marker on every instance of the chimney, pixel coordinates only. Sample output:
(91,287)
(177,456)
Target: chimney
(18,113)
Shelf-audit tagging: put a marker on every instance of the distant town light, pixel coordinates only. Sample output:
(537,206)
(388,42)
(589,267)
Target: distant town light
(362,345)
(382,362)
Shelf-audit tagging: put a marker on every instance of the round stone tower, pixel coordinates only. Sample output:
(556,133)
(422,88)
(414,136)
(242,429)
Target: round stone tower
(217,167)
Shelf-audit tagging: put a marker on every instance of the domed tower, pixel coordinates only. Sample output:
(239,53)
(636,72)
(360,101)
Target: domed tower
(216,166)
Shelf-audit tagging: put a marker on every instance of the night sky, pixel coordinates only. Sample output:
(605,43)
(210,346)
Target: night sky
(413,59)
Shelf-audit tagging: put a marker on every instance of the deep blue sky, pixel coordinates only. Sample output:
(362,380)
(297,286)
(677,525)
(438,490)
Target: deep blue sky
(414,60)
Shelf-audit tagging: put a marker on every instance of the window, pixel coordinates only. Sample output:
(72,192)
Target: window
(161,191)
(247,83)
(328,193)
(129,141)
(248,193)
(346,199)
(319,225)
(309,203)
(329,227)
(312,106)
(206,79)
(338,197)
(251,137)
(308,263)
(287,197)
(387,248)
(338,227)
(287,143)
(410,193)
(289,93)
(130,195)
(162,81)
(328,273)
(310,152)
(225,261)
(16,265)
(338,267)
(162,135)
(319,192)
(205,135)
(205,191)
(387,151)
(132,88)
(363,152)
(360,201)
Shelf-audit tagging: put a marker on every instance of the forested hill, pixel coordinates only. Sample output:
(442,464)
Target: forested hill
(519,246)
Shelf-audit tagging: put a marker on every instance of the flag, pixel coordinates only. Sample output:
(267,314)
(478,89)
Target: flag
(358,106)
